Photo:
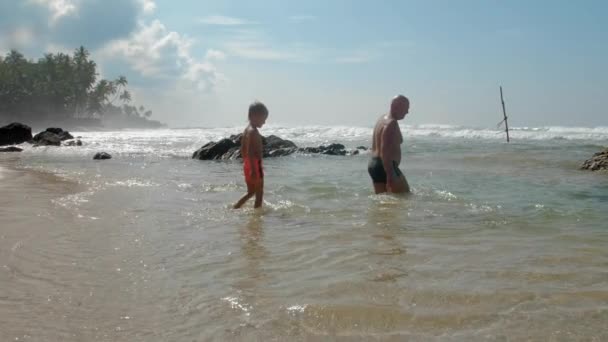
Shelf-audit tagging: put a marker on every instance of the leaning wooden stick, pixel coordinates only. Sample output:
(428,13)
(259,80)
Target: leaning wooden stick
(504,112)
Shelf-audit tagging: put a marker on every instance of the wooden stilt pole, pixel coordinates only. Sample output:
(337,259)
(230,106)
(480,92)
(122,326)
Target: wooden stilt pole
(504,112)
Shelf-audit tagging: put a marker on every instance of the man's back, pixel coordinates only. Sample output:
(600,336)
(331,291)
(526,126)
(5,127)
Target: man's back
(387,132)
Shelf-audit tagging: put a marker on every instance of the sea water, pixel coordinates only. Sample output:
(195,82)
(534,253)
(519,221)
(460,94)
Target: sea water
(497,241)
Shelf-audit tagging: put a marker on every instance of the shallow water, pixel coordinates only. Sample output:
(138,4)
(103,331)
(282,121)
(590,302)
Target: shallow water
(497,241)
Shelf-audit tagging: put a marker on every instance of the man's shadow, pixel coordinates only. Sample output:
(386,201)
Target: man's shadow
(387,224)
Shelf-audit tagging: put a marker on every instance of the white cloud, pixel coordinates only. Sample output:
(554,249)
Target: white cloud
(255,45)
(154,51)
(355,58)
(215,55)
(58,8)
(148,6)
(257,50)
(222,20)
(302,18)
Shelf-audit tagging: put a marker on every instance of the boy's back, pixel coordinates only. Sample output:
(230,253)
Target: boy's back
(251,143)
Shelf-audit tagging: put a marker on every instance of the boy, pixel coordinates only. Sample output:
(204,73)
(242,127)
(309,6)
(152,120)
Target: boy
(252,151)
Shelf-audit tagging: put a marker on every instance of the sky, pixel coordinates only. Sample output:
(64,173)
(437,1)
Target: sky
(335,62)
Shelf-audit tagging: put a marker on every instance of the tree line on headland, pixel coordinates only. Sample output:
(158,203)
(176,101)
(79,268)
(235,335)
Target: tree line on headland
(63,89)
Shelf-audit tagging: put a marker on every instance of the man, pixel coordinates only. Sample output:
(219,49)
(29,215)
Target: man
(383,166)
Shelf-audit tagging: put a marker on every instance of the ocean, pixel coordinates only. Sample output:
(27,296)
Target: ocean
(497,242)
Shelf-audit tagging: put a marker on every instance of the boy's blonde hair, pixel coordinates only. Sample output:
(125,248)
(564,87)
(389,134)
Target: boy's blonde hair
(257,108)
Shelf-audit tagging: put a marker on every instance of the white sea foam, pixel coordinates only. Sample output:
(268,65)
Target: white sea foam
(181,143)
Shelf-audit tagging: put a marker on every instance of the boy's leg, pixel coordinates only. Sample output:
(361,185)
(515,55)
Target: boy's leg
(259,194)
(250,192)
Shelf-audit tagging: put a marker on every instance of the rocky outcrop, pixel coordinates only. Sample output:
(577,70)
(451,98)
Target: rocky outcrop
(102,156)
(230,149)
(51,137)
(63,135)
(332,150)
(47,139)
(598,162)
(73,143)
(10,149)
(214,150)
(15,133)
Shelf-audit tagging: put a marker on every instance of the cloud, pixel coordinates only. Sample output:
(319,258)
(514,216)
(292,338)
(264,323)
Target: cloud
(58,8)
(255,44)
(65,22)
(156,52)
(257,51)
(356,57)
(215,55)
(221,20)
(302,18)
(148,6)
(97,21)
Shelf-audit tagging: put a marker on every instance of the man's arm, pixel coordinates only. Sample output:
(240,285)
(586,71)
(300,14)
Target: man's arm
(389,136)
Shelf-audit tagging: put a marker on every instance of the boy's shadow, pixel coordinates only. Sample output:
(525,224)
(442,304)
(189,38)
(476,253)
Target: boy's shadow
(254,253)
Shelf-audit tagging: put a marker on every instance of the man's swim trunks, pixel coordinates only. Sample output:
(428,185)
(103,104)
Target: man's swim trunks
(375,167)
(247,168)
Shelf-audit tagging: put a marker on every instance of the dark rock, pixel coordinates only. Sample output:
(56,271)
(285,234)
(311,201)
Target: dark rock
(73,143)
(65,136)
(236,138)
(232,154)
(281,152)
(102,156)
(46,135)
(54,130)
(309,150)
(599,161)
(10,149)
(333,150)
(214,150)
(15,133)
(47,139)
(362,148)
(272,142)
(277,147)
(229,149)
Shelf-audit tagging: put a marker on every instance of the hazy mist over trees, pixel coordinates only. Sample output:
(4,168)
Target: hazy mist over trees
(64,89)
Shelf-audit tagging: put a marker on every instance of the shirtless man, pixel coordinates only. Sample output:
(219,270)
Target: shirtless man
(383,166)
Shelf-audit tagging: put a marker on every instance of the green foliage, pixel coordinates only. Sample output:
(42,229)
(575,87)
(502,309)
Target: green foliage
(60,86)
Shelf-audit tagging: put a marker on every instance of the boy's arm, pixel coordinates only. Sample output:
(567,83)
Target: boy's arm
(255,152)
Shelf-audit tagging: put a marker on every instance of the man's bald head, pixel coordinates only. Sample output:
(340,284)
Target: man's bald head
(400,106)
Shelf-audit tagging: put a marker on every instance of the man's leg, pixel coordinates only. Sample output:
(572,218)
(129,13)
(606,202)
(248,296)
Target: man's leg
(379,188)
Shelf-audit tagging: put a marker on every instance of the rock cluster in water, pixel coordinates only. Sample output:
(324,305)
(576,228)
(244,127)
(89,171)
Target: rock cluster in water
(14,134)
(598,162)
(17,133)
(10,149)
(230,149)
(52,137)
